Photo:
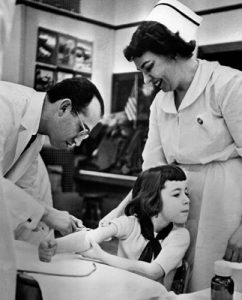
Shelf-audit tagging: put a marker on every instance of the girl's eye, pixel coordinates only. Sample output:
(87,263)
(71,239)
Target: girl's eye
(176,195)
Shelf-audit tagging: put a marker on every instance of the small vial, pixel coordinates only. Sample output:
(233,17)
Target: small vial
(222,285)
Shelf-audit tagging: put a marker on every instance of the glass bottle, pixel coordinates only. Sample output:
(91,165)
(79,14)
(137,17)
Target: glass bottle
(222,285)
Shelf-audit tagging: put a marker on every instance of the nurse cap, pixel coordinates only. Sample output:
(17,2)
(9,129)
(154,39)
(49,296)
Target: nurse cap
(176,17)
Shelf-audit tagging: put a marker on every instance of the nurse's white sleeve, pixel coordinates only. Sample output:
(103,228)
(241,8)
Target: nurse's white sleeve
(229,97)
(153,154)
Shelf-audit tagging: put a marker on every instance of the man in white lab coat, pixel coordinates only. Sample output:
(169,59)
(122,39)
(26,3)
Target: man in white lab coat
(23,177)
(7,253)
(26,116)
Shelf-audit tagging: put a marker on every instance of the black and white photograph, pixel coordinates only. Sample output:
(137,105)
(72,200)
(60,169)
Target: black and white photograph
(66,51)
(83,56)
(46,46)
(61,75)
(44,78)
(120,150)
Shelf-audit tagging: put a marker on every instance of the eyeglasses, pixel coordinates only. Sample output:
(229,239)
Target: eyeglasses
(84,133)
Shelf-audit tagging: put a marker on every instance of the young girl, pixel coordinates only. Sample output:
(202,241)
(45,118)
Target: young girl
(152,237)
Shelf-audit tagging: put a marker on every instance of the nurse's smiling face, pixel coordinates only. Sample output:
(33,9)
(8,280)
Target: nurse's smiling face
(159,70)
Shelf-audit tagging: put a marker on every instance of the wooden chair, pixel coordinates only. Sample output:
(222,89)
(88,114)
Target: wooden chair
(181,278)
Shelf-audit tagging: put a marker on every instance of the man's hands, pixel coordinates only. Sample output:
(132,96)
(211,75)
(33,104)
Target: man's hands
(61,221)
(77,224)
(234,248)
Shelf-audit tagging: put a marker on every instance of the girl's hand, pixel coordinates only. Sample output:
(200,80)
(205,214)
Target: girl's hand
(47,249)
(94,252)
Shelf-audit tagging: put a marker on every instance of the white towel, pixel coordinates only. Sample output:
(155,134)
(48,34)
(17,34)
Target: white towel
(96,281)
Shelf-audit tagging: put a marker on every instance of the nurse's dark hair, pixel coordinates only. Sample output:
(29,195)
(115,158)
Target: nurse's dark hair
(157,38)
(146,194)
(79,90)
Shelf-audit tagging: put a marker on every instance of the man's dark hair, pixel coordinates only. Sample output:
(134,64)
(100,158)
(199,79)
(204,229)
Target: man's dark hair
(157,38)
(79,90)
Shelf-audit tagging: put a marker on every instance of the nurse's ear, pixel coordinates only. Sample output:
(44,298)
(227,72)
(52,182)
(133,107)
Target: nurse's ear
(64,106)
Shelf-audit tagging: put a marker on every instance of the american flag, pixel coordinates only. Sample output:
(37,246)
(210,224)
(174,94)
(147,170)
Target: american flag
(132,103)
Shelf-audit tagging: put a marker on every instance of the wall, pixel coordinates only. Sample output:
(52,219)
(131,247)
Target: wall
(100,10)
(127,11)
(221,28)
(208,4)
(132,11)
(108,44)
(20,59)
(13,55)
(215,28)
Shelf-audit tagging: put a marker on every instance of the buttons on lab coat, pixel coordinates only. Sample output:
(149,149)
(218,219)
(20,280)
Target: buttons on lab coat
(199,120)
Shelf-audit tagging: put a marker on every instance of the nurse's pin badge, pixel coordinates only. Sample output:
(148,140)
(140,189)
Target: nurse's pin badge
(199,120)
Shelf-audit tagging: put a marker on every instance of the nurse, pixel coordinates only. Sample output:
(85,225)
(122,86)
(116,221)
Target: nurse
(195,122)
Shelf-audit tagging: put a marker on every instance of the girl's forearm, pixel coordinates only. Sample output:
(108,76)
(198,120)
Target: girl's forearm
(100,234)
(79,241)
(149,270)
(74,242)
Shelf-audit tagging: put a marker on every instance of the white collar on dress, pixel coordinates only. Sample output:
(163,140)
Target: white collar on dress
(200,80)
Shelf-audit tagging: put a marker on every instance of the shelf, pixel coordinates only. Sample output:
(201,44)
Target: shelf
(107,178)
(63,12)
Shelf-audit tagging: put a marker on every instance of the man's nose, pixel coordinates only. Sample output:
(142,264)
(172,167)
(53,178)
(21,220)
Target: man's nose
(147,78)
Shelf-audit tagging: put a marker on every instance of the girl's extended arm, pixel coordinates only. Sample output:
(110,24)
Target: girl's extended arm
(151,270)
(78,241)
(116,212)
(75,242)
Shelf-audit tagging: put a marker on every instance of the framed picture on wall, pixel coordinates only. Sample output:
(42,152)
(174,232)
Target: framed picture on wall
(66,51)
(60,56)
(46,46)
(123,84)
(44,78)
(83,56)
(61,75)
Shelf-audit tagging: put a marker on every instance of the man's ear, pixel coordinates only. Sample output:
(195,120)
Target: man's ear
(64,106)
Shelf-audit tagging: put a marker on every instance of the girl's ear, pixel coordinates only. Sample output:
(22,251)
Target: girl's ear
(64,106)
